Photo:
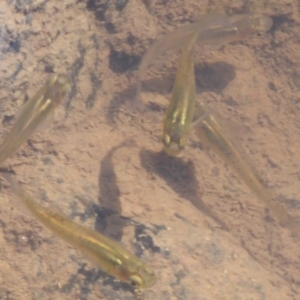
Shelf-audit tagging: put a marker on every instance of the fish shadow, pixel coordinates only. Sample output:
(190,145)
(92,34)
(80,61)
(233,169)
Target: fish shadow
(213,77)
(111,223)
(180,176)
(86,279)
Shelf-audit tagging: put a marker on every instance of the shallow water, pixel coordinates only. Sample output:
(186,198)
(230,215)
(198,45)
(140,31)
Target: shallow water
(191,218)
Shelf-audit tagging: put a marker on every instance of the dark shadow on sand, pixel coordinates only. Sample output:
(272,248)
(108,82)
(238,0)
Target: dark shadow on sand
(109,196)
(180,176)
(213,77)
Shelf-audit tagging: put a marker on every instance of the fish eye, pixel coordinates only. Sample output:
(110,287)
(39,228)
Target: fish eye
(166,140)
(135,281)
(182,143)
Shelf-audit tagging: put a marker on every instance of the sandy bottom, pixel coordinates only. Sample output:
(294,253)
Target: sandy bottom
(206,235)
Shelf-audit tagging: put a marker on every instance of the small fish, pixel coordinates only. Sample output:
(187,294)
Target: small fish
(214,31)
(212,132)
(178,121)
(108,255)
(35,113)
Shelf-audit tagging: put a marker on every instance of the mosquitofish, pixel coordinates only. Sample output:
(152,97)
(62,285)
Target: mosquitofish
(34,113)
(108,255)
(178,121)
(212,132)
(213,30)
(210,129)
